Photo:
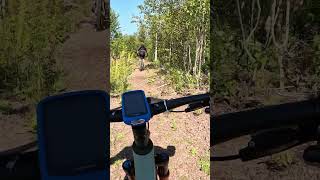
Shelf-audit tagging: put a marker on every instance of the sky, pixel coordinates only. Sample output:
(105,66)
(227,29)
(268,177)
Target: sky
(126,9)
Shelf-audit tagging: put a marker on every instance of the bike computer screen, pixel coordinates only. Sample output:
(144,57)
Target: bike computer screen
(135,108)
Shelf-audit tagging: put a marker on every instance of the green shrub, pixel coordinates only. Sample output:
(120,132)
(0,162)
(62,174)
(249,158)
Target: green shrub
(180,80)
(120,72)
(280,161)
(204,164)
(5,106)
(173,124)
(30,34)
(29,37)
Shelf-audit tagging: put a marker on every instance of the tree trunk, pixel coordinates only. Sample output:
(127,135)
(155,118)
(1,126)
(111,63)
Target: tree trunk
(282,48)
(170,52)
(156,49)
(202,47)
(185,56)
(194,68)
(2,9)
(196,60)
(201,51)
(281,72)
(190,61)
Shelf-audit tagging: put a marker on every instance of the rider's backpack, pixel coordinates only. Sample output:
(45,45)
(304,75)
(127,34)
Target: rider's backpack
(142,52)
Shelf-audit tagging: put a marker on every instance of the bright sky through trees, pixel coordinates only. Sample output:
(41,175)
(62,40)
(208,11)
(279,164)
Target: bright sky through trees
(126,10)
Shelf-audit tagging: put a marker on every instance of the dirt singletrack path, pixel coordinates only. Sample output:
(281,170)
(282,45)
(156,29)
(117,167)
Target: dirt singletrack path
(84,59)
(184,136)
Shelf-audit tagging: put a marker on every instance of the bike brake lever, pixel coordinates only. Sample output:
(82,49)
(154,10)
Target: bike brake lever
(196,106)
(270,142)
(207,110)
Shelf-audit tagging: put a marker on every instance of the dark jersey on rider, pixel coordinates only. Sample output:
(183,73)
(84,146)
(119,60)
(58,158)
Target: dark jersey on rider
(142,51)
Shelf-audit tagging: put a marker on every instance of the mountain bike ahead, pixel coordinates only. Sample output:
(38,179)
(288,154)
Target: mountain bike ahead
(141,63)
(74,124)
(100,10)
(276,128)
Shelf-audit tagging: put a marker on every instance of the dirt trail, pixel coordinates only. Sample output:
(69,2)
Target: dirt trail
(14,131)
(84,59)
(184,136)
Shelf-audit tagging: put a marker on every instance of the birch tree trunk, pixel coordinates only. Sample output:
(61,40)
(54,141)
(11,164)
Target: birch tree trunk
(281,71)
(156,49)
(194,68)
(282,48)
(2,9)
(201,50)
(190,61)
(185,56)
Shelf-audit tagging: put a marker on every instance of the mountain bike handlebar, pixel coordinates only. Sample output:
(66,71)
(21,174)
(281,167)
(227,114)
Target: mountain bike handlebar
(194,102)
(228,126)
(273,129)
(145,165)
(27,166)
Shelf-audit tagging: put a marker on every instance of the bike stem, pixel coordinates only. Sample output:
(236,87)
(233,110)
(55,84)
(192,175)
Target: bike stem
(143,154)
(145,165)
(141,138)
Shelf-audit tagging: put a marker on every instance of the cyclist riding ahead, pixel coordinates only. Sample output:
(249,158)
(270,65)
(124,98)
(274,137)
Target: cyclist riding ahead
(142,53)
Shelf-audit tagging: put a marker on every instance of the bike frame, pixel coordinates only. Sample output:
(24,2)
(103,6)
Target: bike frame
(141,63)
(143,154)
(144,159)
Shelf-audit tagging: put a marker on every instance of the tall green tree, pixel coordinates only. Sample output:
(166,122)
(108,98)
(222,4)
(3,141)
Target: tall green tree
(177,34)
(114,25)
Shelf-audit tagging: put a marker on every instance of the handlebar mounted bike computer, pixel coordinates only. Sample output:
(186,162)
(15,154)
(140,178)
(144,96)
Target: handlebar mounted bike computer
(135,108)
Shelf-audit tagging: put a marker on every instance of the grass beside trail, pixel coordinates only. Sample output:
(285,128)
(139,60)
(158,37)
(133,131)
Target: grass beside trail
(180,80)
(121,69)
(32,33)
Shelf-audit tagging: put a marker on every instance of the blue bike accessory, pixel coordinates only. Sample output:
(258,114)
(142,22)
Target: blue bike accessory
(73,136)
(135,108)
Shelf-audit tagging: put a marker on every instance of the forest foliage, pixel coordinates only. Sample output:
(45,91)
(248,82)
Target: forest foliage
(177,34)
(30,33)
(123,48)
(258,46)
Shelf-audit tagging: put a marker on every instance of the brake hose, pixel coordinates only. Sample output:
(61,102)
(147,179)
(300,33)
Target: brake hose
(225,158)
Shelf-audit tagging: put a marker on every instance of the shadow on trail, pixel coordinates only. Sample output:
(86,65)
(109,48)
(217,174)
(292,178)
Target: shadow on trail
(150,66)
(126,153)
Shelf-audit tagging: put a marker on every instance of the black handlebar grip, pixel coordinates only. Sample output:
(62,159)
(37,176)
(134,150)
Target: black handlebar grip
(228,126)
